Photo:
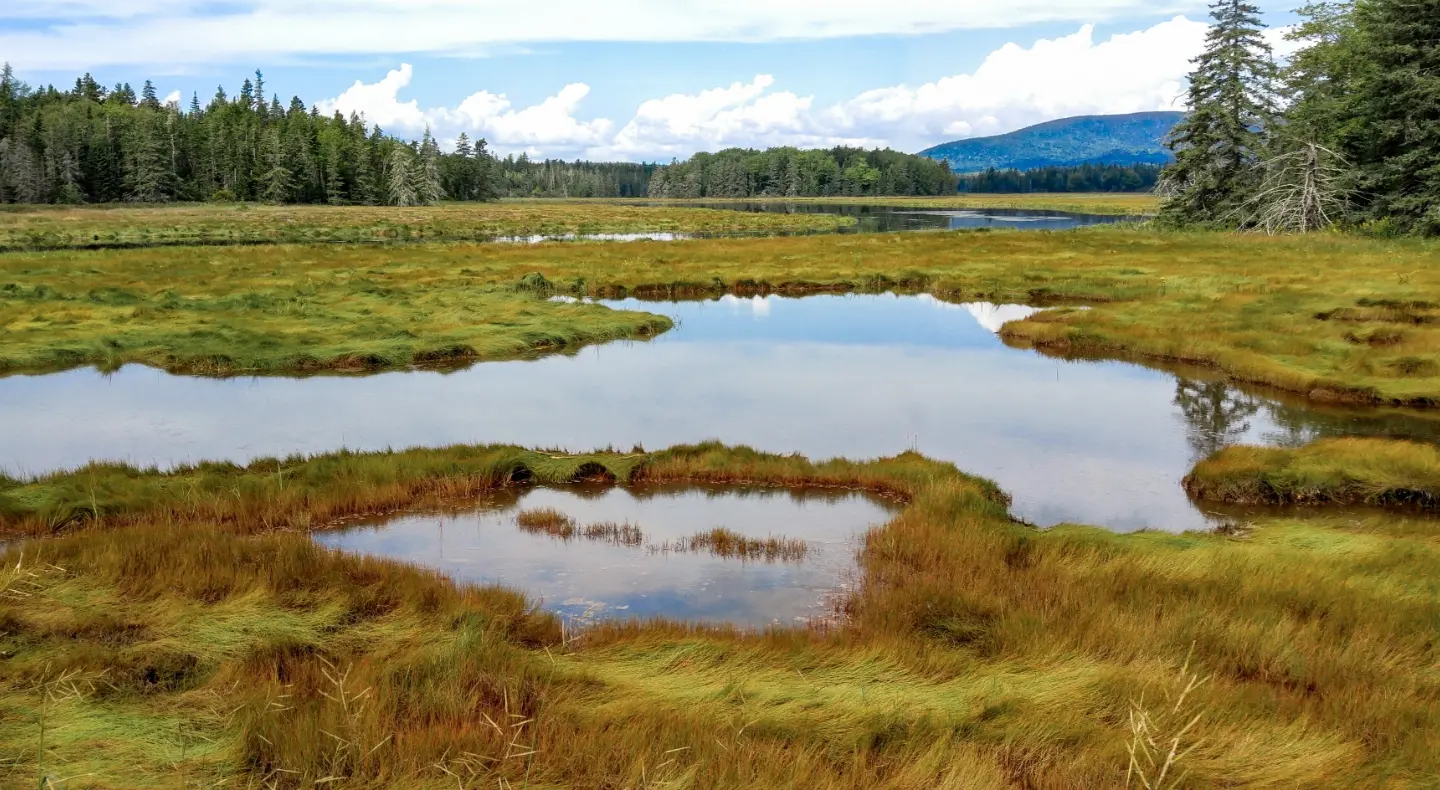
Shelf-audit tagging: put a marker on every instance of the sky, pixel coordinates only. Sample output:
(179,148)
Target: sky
(642,80)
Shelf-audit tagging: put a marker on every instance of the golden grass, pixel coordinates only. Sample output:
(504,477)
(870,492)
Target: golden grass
(978,652)
(728,544)
(1328,316)
(1352,471)
(64,227)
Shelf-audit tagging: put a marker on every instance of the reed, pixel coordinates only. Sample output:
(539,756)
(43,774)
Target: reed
(729,544)
(626,534)
(976,652)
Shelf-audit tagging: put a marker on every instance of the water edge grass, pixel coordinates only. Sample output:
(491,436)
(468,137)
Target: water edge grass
(1300,314)
(205,637)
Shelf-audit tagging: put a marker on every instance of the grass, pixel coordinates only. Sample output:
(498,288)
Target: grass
(1347,471)
(208,639)
(546,521)
(1330,317)
(728,544)
(1112,203)
(68,227)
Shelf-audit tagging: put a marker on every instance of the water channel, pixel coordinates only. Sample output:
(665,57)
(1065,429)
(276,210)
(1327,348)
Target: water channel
(1095,442)
(894,218)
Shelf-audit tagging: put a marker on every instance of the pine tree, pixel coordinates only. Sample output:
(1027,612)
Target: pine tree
(277,183)
(400,180)
(1232,105)
(426,173)
(1392,138)
(151,179)
(148,97)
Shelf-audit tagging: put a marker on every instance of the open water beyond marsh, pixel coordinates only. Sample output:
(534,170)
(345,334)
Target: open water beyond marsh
(1102,443)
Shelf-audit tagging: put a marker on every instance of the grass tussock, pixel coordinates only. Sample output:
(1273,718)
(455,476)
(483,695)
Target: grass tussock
(546,521)
(70,227)
(1331,317)
(976,653)
(1346,471)
(729,544)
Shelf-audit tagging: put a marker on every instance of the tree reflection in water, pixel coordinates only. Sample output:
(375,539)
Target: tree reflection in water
(1216,414)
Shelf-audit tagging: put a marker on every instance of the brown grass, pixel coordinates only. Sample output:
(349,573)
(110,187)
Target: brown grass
(977,652)
(546,521)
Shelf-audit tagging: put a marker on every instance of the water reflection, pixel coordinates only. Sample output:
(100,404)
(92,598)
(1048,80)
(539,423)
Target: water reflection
(882,218)
(1094,442)
(1216,414)
(596,579)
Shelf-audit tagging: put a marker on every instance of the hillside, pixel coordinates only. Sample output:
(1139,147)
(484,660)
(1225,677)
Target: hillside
(1087,139)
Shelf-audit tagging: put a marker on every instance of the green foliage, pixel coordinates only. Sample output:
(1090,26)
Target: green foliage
(1068,142)
(1081,178)
(1232,105)
(789,172)
(1389,63)
(90,145)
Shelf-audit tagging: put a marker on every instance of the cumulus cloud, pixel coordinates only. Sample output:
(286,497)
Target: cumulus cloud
(85,34)
(1015,86)
(379,101)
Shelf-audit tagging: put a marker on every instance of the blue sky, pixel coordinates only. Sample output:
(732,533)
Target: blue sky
(641,79)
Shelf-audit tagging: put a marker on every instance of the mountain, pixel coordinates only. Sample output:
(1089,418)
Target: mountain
(1087,139)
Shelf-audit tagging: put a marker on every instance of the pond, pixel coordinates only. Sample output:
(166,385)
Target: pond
(1095,442)
(658,570)
(889,218)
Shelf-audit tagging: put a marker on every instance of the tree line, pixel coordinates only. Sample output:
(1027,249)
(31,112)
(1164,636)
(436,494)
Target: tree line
(1354,142)
(1078,178)
(553,178)
(90,144)
(791,172)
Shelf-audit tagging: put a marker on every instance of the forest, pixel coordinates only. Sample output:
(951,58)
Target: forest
(791,172)
(90,144)
(1081,178)
(1342,133)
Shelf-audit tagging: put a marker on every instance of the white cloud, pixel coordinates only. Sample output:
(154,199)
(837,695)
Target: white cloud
(1015,86)
(173,97)
(84,34)
(379,101)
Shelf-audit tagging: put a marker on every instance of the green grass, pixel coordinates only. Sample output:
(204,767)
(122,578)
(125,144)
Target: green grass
(206,646)
(65,227)
(1349,471)
(1328,316)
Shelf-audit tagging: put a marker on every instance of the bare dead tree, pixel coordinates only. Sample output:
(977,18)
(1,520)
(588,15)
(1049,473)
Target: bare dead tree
(1300,191)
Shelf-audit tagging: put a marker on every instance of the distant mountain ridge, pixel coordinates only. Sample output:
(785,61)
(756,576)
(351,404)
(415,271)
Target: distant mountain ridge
(1088,139)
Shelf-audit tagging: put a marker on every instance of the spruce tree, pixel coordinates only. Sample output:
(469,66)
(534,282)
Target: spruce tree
(399,179)
(277,182)
(1232,105)
(1392,137)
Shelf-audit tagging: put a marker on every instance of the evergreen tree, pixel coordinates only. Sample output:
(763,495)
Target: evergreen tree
(426,173)
(148,97)
(1232,105)
(151,178)
(277,183)
(399,178)
(1392,131)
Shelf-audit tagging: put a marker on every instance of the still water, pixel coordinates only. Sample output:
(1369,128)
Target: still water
(1103,443)
(591,580)
(894,219)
